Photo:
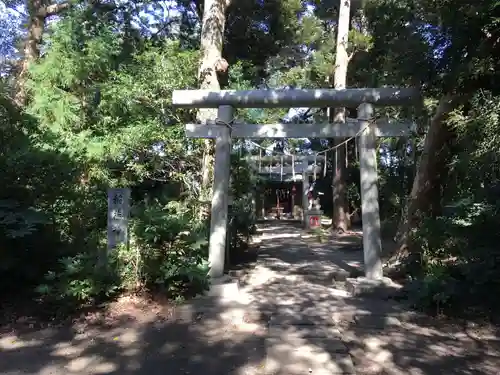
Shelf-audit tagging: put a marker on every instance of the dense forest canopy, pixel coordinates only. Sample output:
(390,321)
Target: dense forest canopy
(85,90)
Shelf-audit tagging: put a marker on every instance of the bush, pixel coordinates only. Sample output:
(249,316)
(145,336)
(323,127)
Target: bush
(174,248)
(167,252)
(79,279)
(460,262)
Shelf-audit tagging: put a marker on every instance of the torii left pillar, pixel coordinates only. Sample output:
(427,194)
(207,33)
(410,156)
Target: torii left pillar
(219,210)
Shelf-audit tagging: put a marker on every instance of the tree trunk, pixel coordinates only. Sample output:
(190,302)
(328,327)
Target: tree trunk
(38,12)
(339,188)
(212,36)
(341,220)
(432,168)
(31,50)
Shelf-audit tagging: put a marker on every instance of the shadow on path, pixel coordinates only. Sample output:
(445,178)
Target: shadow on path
(312,326)
(311,314)
(149,346)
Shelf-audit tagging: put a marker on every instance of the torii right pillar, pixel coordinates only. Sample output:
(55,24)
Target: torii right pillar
(372,244)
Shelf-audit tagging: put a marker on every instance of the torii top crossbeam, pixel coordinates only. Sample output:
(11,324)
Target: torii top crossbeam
(315,98)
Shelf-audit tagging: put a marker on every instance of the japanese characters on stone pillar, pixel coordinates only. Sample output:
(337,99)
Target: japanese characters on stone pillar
(118,215)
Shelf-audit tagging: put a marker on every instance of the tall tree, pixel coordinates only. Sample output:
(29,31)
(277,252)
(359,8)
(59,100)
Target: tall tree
(38,13)
(339,186)
(425,196)
(211,64)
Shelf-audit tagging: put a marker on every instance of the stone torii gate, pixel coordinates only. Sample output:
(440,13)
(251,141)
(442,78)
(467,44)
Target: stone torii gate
(224,127)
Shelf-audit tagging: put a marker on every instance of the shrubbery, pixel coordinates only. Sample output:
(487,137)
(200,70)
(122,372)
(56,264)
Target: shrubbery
(460,259)
(167,252)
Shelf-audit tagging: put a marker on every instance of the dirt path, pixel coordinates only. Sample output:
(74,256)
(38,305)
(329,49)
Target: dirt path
(136,337)
(316,327)
(300,323)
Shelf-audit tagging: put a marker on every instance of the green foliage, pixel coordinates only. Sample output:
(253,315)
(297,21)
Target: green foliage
(476,166)
(78,279)
(105,109)
(18,222)
(167,252)
(97,119)
(459,250)
(172,246)
(460,260)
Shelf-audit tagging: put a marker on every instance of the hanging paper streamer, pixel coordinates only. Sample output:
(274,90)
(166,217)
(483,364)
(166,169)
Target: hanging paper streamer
(356,148)
(314,167)
(336,157)
(324,164)
(260,160)
(281,171)
(346,153)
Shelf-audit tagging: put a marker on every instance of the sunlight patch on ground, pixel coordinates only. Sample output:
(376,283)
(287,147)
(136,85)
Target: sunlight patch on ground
(273,236)
(80,364)
(13,342)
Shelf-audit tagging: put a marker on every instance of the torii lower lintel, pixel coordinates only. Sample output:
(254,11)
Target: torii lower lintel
(352,128)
